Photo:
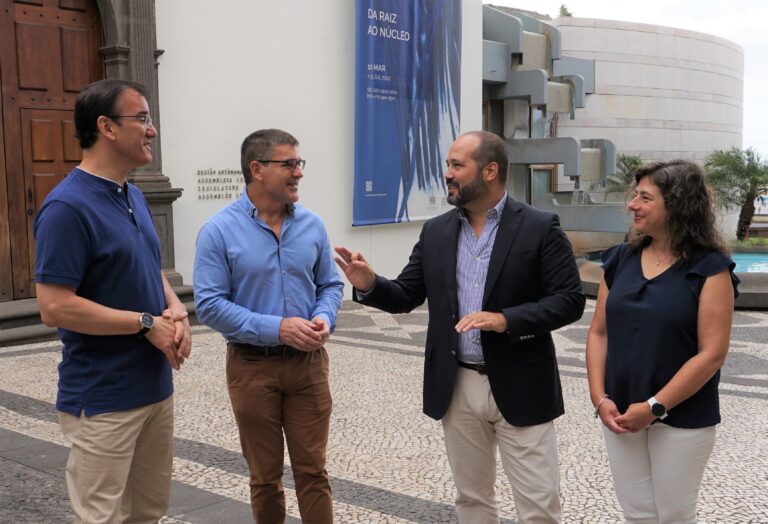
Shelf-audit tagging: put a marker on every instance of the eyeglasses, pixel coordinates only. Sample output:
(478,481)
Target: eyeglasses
(146,120)
(291,163)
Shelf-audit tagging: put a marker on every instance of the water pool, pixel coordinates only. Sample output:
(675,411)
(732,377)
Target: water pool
(750,262)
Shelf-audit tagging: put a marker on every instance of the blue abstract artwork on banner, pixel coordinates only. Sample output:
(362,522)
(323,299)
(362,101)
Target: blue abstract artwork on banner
(407,91)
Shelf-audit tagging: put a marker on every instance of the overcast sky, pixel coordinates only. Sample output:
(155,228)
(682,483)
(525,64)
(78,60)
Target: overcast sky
(741,21)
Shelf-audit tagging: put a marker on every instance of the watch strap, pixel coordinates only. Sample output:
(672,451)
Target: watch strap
(653,402)
(143,327)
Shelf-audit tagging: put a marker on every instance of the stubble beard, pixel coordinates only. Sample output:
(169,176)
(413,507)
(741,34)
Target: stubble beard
(470,192)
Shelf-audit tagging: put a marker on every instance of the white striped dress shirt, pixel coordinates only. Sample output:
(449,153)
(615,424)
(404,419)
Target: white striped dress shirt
(472,258)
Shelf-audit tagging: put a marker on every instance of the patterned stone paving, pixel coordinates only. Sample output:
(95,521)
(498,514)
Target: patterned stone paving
(386,458)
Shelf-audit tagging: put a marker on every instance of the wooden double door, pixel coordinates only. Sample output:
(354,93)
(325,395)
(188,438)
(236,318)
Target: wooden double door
(49,50)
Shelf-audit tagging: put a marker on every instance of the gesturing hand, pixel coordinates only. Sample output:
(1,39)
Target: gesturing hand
(357,270)
(484,321)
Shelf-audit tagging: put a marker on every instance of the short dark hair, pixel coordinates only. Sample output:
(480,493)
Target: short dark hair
(491,149)
(259,145)
(690,206)
(97,99)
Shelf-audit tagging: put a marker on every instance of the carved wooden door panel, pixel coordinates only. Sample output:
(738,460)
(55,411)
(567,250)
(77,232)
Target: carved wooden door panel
(49,50)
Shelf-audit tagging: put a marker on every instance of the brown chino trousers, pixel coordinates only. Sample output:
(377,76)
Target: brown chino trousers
(275,395)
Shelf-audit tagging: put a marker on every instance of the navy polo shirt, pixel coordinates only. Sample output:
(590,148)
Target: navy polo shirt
(652,329)
(98,237)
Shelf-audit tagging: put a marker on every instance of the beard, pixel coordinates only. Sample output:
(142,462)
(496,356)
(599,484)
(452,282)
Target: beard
(470,192)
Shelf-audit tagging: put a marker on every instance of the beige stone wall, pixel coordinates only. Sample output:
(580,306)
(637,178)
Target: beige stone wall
(660,92)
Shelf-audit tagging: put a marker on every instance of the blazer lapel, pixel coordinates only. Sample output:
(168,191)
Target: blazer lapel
(451,243)
(509,225)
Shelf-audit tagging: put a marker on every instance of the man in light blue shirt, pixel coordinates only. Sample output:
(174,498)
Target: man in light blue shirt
(265,279)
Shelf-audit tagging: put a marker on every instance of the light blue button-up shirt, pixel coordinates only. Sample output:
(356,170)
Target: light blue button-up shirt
(246,280)
(472,259)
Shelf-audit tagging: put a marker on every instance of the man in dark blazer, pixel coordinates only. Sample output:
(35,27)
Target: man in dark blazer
(499,276)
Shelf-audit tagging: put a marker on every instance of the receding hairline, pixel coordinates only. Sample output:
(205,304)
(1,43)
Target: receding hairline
(126,91)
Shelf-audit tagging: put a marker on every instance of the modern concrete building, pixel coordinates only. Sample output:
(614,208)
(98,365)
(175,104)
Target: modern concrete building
(653,91)
(530,88)
(660,92)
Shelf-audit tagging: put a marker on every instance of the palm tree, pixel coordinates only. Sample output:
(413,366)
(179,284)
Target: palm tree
(624,179)
(738,176)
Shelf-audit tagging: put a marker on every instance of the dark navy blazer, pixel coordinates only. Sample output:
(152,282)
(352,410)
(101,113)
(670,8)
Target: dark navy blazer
(532,279)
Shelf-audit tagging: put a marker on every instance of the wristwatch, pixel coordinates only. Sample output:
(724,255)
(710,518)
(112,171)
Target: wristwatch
(658,409)
(146,321)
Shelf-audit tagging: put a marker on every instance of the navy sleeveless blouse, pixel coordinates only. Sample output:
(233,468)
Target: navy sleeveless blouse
(652,331)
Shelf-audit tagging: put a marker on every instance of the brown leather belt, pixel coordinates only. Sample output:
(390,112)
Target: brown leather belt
(281,350)
(480,368)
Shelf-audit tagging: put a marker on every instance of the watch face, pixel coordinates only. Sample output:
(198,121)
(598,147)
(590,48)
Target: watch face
(658,409)
(147,320)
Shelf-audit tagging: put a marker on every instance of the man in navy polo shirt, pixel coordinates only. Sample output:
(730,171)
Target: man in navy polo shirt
(99,281)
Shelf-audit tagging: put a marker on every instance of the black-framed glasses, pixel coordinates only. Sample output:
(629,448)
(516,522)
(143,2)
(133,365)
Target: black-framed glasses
(146,120)
(290,163)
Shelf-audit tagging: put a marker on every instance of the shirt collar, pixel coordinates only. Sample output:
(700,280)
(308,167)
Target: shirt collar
(100,181)
(246,206)
(493,214)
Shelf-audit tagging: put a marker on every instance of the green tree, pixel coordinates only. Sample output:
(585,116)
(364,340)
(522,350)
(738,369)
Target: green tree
(626,165)
(564,11)
(738,176)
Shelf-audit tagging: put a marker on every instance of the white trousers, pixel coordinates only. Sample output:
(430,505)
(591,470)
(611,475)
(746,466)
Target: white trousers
(657,471)
(473,429)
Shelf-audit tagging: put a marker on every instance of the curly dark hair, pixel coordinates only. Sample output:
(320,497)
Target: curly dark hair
(690,206)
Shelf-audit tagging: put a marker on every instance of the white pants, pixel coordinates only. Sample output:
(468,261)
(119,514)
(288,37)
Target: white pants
(657,471)
(473,428)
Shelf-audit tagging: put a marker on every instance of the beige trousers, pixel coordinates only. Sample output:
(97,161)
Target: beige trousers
(657,472)
(119,467)
(473,429)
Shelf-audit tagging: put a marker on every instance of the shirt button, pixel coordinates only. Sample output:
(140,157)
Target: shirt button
(119,189)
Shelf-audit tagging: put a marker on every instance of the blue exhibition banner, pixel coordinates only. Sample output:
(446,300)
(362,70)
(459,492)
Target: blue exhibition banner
(407,91)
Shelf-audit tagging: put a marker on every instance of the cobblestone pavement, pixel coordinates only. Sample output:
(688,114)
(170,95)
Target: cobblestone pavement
(385,457)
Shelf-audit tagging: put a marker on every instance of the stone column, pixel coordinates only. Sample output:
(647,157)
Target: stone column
(130,52)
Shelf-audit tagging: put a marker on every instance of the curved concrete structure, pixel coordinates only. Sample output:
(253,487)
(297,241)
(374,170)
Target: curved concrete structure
(660,92)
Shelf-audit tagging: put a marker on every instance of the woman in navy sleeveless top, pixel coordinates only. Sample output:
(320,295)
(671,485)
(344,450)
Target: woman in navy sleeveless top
(658,338)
